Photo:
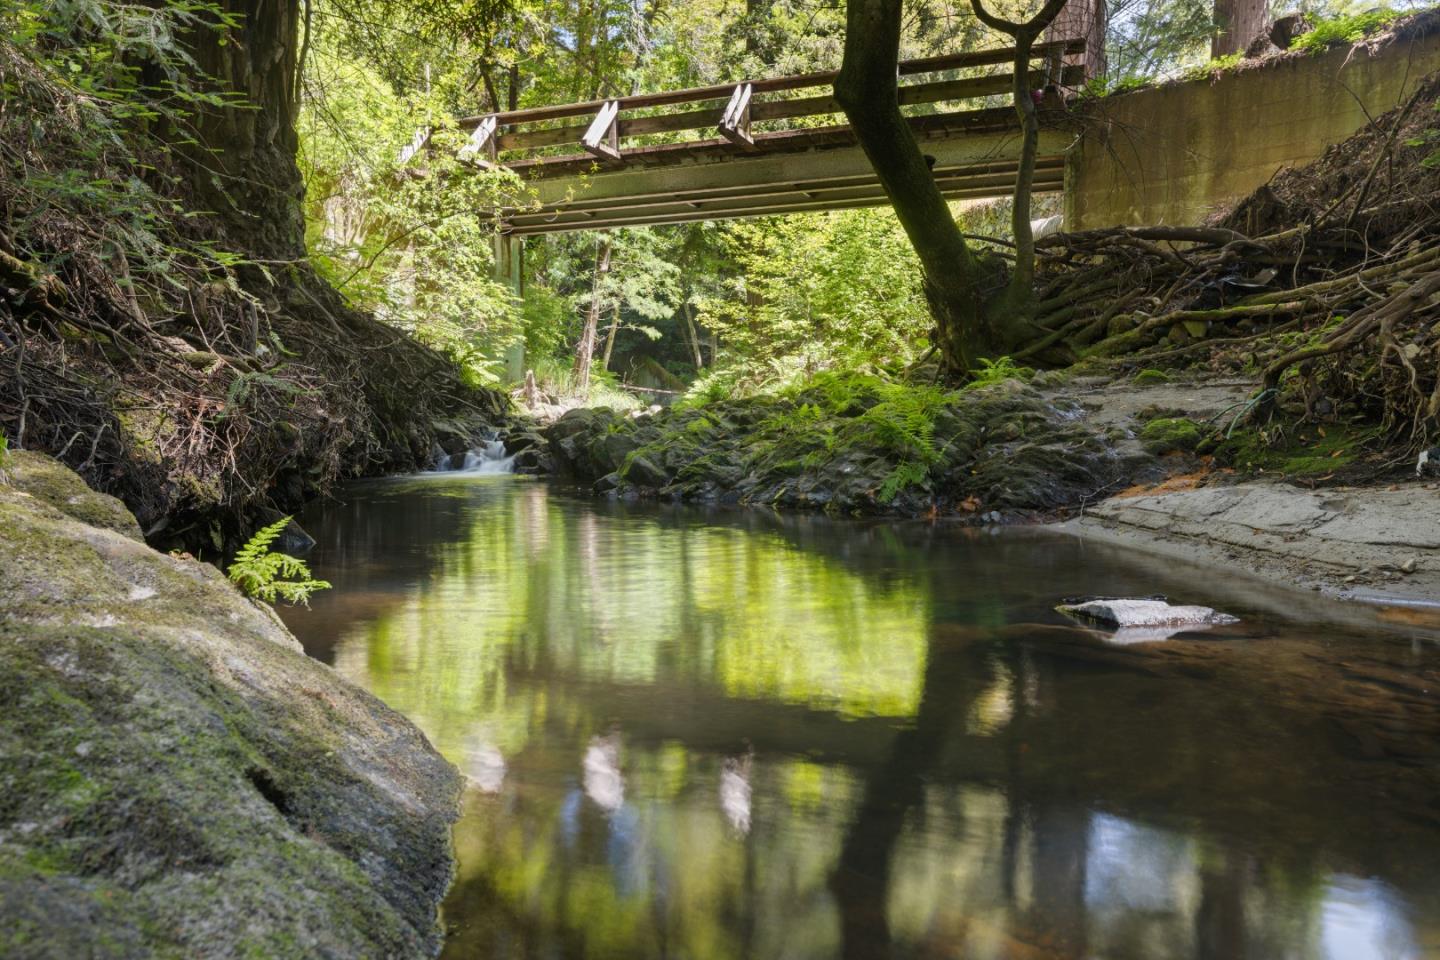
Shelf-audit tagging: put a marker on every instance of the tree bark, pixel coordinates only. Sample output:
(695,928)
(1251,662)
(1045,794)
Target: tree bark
(1237,22)
(689,311)
(866,91)
(973,315)
(585,349)
(610,337)
(1083,20)
(245,163)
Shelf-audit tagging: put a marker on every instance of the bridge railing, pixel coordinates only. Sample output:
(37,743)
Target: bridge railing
(733,111)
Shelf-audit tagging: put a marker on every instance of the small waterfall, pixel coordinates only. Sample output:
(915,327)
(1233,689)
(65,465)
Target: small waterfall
(489,457)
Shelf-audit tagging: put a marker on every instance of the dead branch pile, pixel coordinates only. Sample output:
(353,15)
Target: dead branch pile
(202,389)
(1326,281)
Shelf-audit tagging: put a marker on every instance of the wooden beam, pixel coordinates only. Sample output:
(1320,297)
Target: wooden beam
(774,196)
(481,149)
(735,123)
(416,144)
(815,187)
(763,110)
(620,219)
(953,61)
(601,138)
(993,120)
(977,164)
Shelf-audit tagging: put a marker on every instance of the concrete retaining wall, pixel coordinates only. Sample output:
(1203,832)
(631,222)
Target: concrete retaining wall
(1176,153)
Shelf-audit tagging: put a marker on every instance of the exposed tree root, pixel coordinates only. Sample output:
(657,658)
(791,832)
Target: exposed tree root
(1310,282)
(204,389)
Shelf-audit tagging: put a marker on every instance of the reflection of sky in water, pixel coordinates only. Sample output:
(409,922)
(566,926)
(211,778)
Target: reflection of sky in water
(1364,920)
(1133,867)
(676,733)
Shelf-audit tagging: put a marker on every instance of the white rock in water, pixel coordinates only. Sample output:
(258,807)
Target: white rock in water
(1144,613)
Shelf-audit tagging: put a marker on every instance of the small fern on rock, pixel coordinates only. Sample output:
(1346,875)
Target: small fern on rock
(269,576)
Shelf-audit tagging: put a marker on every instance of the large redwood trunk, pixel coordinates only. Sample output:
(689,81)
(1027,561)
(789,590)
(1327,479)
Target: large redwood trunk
(1237,22)
(1082,20)
(246,172)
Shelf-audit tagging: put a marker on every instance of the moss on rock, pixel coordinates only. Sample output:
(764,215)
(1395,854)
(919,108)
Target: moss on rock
(177,778)
(1168,434)
(36,475)
(853,444)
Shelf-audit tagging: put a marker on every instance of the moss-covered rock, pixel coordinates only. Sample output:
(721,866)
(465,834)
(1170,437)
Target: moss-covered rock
(38,476)
(177,778)
(1168,434)
(852,444)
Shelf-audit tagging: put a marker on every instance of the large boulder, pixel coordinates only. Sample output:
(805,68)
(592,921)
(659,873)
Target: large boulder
(177,778)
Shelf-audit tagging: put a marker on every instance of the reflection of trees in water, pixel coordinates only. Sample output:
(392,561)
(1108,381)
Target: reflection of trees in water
(1032,776)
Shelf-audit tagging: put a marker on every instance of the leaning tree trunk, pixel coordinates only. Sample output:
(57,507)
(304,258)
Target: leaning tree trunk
(866,90)
(244,164)
(974,315)
(610,336)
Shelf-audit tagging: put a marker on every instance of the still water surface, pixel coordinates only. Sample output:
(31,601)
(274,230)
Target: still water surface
(732,734)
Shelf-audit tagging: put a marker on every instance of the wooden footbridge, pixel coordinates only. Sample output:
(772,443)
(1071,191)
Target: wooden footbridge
(772,146)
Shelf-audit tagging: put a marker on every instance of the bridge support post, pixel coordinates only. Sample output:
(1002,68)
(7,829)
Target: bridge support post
(509,270)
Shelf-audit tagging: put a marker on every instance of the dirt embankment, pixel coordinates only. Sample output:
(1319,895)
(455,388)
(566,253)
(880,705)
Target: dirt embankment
(177,778)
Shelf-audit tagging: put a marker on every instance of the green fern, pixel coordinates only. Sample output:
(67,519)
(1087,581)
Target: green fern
(993,371)
(908,473)
(269,576)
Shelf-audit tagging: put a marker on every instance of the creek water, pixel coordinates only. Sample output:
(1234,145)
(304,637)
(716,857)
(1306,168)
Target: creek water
(732,734)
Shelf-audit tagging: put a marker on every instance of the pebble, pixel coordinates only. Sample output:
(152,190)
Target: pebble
(1408,566)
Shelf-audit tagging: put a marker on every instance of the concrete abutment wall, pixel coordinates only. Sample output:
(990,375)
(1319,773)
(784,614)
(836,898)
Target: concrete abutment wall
(1177,153)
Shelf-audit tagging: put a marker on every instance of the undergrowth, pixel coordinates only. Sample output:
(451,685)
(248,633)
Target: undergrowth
(835,415)
(1345,29)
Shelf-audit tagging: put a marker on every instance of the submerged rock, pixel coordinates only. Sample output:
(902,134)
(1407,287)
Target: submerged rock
(1127,612)
(177,778)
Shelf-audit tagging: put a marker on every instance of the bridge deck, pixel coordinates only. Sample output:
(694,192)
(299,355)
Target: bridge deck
(619,175)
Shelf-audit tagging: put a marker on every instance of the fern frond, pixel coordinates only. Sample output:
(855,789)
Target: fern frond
(259,544)
(266,575)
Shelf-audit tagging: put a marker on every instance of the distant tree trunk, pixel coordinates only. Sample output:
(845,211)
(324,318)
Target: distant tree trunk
(610,337)
(1237,22)
(1082,20)
(245,160)
(585,349)
(689,311)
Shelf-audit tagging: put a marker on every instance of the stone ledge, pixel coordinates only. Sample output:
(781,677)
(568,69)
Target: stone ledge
(1380,545)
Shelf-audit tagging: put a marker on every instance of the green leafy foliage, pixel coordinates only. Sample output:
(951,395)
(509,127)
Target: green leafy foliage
(1215,65)
(415,250)
(267,575)
(87,184)
(839,414)
(1350,28)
